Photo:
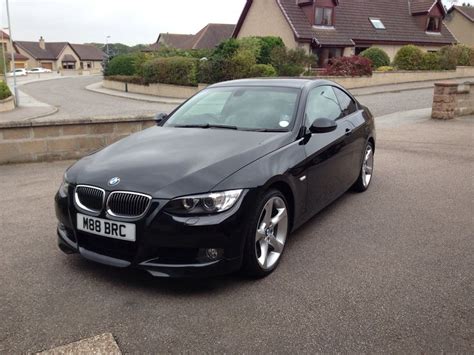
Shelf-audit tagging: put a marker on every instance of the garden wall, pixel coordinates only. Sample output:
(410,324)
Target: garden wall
(7,104)
(55,140)
(161,90)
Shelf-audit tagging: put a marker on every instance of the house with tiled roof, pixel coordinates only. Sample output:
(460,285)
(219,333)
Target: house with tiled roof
(333,28)
(207,38)
(61,55)
(460,21)
(20,60)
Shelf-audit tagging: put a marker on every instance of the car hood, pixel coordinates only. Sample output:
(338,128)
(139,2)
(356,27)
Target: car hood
(170,162)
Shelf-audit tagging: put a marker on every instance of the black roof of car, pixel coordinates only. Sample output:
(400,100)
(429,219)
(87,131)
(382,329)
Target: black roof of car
(288,83)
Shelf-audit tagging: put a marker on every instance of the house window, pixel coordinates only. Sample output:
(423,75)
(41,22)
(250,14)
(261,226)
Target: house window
(433,24)
(377,23)
(324,16)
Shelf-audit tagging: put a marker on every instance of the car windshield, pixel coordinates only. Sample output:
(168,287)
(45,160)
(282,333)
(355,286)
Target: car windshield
(242,108)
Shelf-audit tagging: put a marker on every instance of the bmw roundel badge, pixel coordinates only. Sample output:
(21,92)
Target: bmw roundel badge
(114,181)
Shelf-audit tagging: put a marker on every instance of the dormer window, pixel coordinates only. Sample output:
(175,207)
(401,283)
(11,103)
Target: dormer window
(433,24)
(324,16)
(377,23)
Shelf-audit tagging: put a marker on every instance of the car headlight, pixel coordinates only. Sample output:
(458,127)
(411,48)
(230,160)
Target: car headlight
(214,202)
(64,188)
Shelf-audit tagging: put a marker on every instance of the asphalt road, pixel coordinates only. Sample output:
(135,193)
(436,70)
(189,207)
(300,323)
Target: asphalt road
(74,101)
(388,270)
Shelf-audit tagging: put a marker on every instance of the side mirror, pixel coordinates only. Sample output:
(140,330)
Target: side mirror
(323,125)
(159,117)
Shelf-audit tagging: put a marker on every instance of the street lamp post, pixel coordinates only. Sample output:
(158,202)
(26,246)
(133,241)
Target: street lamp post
(15,90)
(107,46)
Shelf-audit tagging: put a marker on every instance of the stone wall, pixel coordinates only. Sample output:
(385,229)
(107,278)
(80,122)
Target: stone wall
(55,140)
(160,90)
(400,77)
(452,100)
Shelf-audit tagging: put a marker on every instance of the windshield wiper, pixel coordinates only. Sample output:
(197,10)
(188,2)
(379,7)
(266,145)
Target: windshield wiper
(207,125)
(267,130)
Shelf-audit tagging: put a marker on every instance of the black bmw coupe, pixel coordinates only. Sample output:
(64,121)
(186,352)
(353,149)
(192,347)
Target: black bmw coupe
(218,184)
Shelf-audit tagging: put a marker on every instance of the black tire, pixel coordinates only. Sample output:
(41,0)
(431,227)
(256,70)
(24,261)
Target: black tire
(361,184)
(251,266)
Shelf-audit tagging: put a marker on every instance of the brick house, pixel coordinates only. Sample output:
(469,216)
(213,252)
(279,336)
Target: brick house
(20,60)
(61,55)
(460,21)
(207,38)
(333,28)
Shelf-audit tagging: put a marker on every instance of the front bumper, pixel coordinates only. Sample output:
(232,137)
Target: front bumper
(166,245)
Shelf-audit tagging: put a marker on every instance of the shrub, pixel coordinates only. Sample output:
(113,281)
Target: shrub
(452,56)
(267,44)
(172,70)
(290,62)
(262,70)
(349,66)
(378,57)
(126,64)
(409,57)
(4,91)
(431,61)
(385,69)
(131,79)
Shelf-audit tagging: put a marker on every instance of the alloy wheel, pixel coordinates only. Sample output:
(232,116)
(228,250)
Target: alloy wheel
(272,230)
(368,166)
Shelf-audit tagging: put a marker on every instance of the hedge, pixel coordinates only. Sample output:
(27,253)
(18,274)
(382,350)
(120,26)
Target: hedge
(452,56)
(378,57)
(4,91)
(130,79)
(172,70)
(262,70)
(126,64)
(409,57)
(431,61)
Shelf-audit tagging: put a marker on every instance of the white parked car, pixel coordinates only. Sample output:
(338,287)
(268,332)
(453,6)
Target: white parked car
(39,70)
(18,72)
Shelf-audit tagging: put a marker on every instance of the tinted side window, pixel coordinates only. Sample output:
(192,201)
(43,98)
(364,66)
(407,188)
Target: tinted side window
(348,105)
(322,103)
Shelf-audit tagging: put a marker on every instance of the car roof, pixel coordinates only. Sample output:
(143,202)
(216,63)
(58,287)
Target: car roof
(279,82)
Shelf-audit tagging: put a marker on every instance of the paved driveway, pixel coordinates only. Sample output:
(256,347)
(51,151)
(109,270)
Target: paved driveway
(74,101)
(388,270)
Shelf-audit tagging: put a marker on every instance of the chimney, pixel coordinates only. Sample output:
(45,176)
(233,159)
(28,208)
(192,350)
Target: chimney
(41,43)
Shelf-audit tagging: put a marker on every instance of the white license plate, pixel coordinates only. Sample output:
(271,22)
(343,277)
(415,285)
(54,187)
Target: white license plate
(106,228)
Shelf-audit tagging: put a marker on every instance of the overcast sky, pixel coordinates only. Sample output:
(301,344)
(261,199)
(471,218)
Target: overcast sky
(126,21)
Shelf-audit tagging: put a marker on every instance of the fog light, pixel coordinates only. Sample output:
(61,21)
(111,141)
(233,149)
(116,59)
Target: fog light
(212,253)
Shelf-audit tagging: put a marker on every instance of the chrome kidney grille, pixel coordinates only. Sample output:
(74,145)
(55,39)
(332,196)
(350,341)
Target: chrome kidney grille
(90,199)
(128,204)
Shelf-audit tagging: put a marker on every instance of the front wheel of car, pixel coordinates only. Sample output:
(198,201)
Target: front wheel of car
(267,236)
(367,169)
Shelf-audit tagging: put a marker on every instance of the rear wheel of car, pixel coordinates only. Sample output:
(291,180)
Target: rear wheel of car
(267,236)
(367,169)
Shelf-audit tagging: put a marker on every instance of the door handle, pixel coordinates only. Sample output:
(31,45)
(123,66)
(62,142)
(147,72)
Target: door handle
(348,131)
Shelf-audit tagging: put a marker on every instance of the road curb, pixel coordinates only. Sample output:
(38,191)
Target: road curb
(159,100)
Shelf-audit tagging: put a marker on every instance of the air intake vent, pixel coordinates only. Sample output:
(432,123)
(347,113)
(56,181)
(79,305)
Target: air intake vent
(127,204)
(89,198)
